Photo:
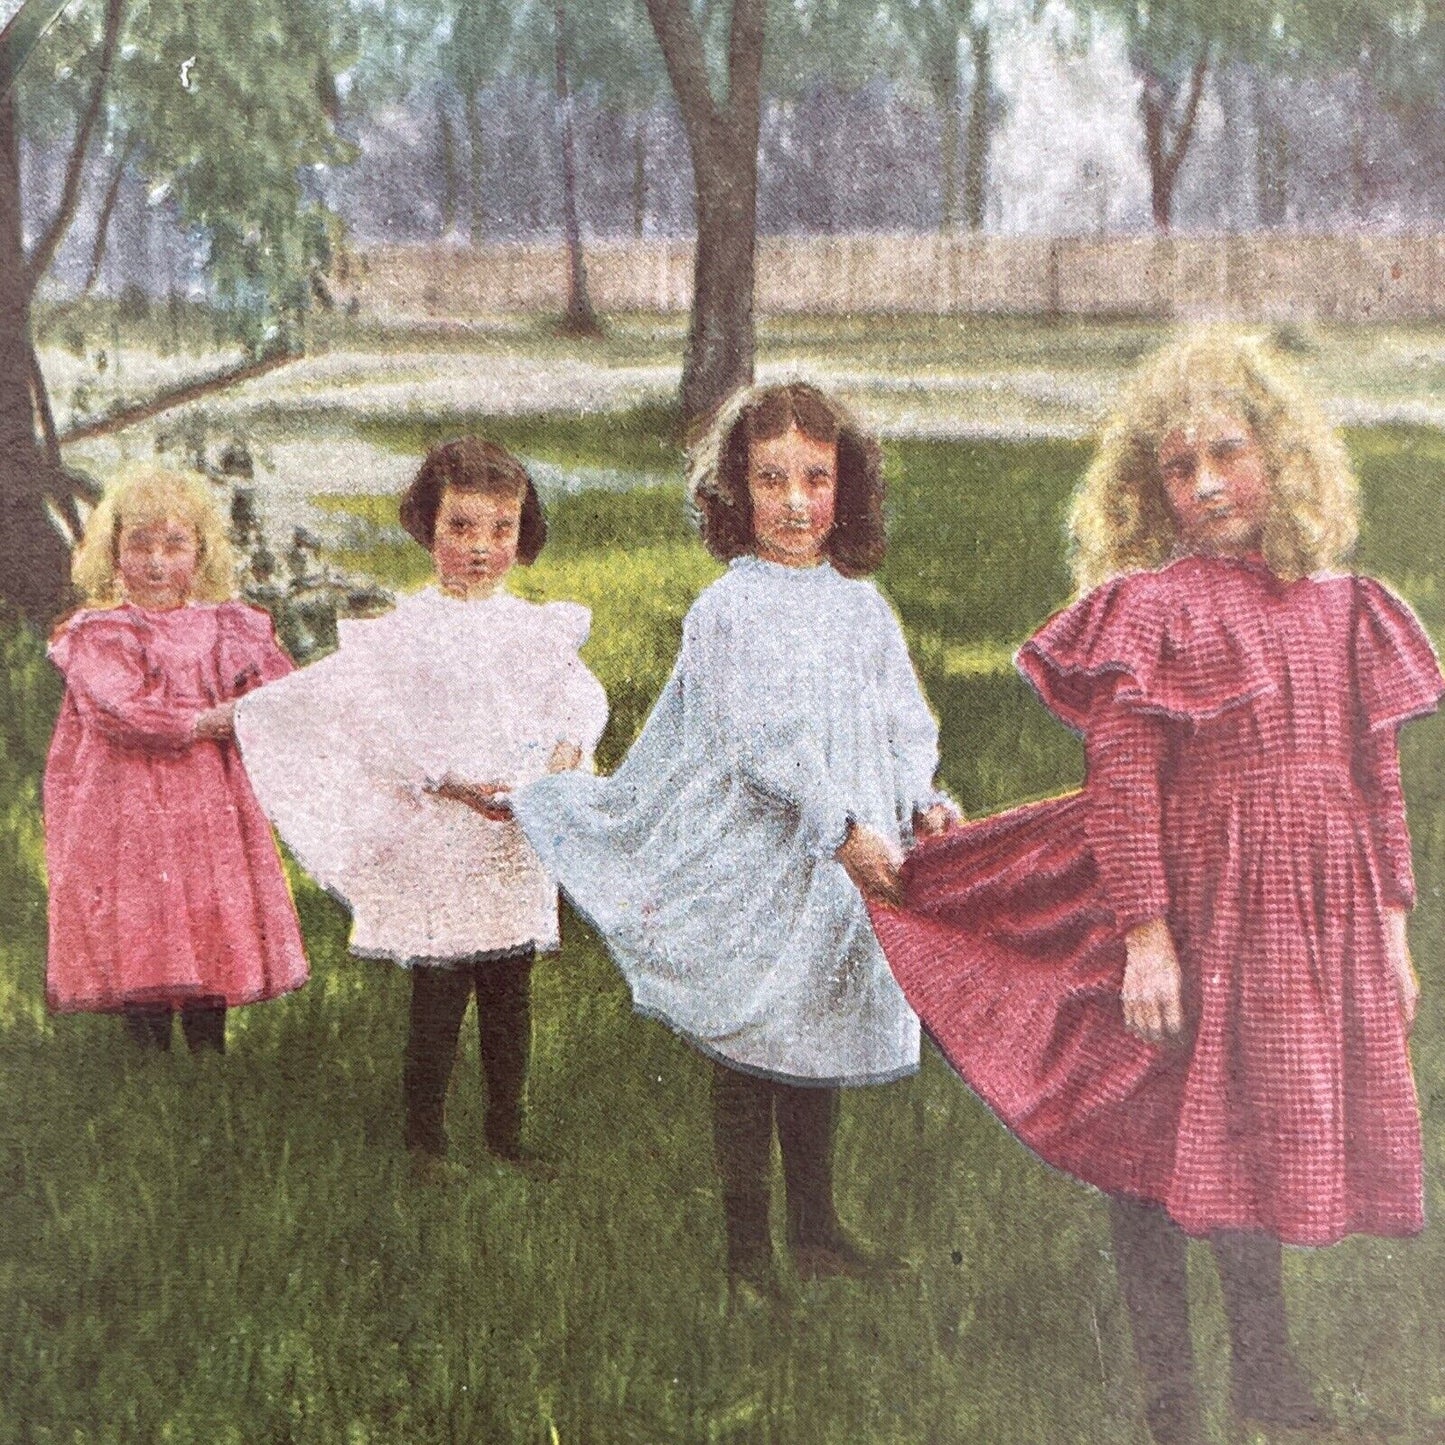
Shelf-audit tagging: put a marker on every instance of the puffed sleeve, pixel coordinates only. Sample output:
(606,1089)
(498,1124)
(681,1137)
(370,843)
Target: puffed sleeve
(117,690)
(912,730)
(737,703)
(582,700)
(1397,677)
(1124,749)
(250,654)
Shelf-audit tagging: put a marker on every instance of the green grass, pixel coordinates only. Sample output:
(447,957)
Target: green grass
(639,440)
(231,1250)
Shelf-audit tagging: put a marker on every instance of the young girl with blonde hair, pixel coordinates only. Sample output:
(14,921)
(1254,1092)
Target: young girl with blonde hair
(166,890)
(1189,984)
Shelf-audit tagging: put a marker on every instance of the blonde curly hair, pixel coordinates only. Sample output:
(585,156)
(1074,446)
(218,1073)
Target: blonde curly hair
(1120,521)
(135,497)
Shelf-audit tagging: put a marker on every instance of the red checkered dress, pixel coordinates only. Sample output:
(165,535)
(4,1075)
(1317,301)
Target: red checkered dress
(1243,782)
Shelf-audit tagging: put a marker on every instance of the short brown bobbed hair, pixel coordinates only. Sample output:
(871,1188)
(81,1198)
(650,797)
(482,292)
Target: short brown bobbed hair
(473,464)
(718,473)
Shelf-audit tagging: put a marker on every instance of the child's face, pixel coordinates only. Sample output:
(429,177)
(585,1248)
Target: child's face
(1216,484)
(475,543)
(158,562)
(793,486)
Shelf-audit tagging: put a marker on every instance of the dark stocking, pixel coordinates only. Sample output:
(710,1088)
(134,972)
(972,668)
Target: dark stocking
(504,1023)
(149,1025)
(807,1123)
(204,1026)
(1267,1383)
(742,1131)
(438,1001)
(1150,1254)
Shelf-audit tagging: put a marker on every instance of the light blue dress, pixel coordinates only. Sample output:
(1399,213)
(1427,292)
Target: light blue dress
(706,861)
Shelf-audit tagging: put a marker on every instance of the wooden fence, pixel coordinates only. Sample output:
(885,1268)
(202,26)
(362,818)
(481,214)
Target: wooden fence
(1248,278)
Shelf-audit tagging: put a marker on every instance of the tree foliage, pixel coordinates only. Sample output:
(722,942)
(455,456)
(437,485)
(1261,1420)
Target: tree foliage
(230,140)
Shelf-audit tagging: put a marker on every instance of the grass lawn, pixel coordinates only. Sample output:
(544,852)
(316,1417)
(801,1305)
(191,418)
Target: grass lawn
(232,1249)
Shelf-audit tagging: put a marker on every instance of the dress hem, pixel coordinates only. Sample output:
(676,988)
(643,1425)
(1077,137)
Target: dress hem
(804,1081)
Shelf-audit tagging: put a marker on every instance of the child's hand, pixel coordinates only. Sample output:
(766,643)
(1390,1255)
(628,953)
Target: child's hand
(216,724)
(1406,983)
(871,865)
(1151,994)
(483,798)
(565,757)
(935,819)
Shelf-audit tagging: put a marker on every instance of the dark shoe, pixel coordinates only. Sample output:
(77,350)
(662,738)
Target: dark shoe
(1279,1396)
(524,1162)
(430,1169)
(753,1281)
(840,1258)
(1175,1420)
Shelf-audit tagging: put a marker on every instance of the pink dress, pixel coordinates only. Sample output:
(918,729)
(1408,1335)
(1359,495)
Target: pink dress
(1243,782)
(165,883)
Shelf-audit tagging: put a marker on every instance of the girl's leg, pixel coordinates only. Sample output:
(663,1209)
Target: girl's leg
(204,1025)
(1151,1256)
(504,1023)
(807,1126)
(807,1131)
(1268,1385)
(438,1001)
(742,1131)
(149,1025)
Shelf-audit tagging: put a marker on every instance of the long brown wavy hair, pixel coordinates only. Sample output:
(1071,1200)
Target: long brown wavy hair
(718,473)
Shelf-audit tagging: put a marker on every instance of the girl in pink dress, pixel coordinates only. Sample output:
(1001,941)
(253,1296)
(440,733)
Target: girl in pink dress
(166,890)
(1189,984)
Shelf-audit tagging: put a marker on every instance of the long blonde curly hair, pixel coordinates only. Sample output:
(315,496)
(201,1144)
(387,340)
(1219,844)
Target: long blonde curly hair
(144,494)
(1120,521)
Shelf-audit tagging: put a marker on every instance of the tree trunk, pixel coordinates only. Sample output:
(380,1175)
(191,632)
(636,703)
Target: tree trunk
(102,225)
(724,145)
(639,175)
(1360,184)
(1271,158)
(476,168)
(975,166)
(581,319)
(1166,151)
(448,146)
(948,102)
(720,343)
(34,561)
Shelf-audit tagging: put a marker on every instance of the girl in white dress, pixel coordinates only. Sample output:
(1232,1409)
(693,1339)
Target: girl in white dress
(784,769)
(385,767)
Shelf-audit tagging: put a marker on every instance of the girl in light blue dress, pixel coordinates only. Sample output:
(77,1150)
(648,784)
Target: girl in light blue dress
(786,767)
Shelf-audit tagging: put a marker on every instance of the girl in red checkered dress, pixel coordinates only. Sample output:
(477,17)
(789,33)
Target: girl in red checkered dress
(1189,984)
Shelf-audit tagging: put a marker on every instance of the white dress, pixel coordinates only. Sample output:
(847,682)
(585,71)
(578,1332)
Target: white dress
(341,755)
(706,861)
